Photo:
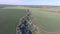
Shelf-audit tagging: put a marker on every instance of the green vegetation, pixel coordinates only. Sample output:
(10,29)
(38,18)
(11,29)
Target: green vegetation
(9,19)
(47,21)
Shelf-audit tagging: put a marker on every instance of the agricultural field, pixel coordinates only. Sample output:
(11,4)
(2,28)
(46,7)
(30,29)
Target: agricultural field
(46,19)
(9,18)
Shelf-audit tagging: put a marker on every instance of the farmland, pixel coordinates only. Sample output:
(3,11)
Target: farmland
(9,19)
(47,19)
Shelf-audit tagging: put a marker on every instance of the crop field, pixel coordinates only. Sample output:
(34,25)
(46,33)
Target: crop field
(9,19)
(46,20)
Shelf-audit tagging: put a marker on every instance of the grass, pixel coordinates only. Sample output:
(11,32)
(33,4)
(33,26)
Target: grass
(9,19)
(47,21)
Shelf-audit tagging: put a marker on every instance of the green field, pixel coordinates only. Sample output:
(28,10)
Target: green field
(9,19)
(47,21)
(44,19)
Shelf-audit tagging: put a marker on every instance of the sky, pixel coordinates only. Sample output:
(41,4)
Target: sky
(31,2)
